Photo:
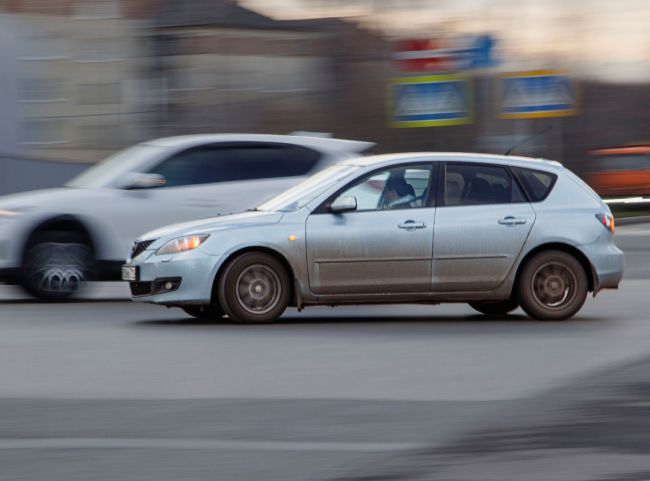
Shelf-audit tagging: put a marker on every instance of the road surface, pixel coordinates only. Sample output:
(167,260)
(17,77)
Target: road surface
(110,390)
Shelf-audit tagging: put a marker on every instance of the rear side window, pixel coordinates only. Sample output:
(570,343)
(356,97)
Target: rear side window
(537,183)
(475,184)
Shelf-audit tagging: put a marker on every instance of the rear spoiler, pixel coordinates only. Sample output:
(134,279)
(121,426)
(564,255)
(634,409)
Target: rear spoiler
(326,141)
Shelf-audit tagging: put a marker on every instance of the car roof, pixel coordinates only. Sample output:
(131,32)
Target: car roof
(378,160)
(315,142)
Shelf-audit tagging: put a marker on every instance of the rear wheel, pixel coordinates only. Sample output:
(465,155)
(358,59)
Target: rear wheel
(254,288)
(55,268)
(204,313)
(496,308)
(553,286)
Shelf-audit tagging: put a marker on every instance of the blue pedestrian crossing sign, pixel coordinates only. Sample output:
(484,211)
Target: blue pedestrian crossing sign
(430,101)
(537,94)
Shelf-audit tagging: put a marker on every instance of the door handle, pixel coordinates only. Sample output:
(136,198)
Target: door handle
(411,224)
(511,220)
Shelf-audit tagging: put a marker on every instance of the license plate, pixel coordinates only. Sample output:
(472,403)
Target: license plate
(130,273)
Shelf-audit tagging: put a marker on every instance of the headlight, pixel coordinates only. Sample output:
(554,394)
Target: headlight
(13,212)
(8,213)
(182,244)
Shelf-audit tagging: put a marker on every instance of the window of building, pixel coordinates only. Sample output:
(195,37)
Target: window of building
(42,90)
(104,93)
(89,9)
(42,132)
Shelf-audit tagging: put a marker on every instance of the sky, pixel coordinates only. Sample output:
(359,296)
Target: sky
(598,38)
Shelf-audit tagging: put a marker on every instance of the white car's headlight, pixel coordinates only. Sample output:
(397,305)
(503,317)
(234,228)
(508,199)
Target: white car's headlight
(182,244)
(10,213)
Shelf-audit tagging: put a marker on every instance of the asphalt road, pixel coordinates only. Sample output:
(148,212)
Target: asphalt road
(110,390)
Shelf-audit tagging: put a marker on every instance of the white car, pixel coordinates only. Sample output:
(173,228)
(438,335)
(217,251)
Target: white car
(53,241)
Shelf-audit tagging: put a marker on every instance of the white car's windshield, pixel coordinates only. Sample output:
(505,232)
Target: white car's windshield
(110,171)
(299,195)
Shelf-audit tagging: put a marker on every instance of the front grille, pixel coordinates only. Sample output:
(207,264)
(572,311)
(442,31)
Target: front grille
(140,288)
(140,247)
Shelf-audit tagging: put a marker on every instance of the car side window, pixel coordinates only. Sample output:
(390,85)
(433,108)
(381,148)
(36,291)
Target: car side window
(474,184)
(537,183)
(223,163)
(397,188)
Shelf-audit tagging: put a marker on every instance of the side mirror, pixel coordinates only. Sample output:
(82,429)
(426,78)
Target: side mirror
(344,203)
(140,180)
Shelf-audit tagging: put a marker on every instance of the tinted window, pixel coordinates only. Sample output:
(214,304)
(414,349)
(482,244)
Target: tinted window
(538,184)
(471,184)
(214,163)
(398,188)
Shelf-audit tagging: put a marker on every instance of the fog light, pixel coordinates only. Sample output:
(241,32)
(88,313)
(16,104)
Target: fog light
(166,285)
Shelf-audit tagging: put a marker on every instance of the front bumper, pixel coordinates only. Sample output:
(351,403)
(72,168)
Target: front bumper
(193,270)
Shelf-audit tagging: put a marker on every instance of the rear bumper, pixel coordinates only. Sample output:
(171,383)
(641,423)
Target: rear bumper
(608,263)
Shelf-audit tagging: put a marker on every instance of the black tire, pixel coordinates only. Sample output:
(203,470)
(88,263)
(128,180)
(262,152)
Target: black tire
(553,286)
(254,288)
(500,308)
(57,268)
(204,313)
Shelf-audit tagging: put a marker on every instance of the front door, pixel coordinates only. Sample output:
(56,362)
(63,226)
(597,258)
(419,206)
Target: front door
(385,246)
(482,224)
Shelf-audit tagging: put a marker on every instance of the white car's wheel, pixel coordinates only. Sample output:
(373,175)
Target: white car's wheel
(54,270)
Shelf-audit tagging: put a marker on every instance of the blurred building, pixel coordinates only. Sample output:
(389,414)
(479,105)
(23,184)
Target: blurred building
(77,89)
(223,66)
(91,76)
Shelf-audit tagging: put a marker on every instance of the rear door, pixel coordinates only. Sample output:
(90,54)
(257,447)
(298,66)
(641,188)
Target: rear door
(482,222)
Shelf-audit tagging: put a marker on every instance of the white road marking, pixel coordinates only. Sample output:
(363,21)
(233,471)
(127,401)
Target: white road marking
(210,444)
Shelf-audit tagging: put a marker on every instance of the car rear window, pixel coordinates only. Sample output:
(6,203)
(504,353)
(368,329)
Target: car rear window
(537,183)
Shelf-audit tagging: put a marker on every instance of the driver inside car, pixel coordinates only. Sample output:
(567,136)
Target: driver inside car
(397,193)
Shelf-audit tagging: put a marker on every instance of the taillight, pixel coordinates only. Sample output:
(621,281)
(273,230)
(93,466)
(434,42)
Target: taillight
(607,220)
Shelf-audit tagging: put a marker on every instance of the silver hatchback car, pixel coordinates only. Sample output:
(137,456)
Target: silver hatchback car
(494,231)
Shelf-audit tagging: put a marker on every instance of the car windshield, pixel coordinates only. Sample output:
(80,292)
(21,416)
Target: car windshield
(110,171)
(298,196)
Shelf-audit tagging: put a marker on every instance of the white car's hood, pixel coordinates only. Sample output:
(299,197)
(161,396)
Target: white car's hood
(205,226)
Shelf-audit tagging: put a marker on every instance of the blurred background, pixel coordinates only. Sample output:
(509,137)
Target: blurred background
(551,78)
(108,390)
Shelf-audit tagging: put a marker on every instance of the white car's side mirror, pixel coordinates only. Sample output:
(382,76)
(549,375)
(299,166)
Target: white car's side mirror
(140,180)
(344,203)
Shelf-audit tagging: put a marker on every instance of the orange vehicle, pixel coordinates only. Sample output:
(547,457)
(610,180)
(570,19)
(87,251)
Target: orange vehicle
(620,171)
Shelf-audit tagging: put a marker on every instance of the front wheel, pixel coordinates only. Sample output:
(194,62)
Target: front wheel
(500,308)
(553,286)
(56,270)
(254,288)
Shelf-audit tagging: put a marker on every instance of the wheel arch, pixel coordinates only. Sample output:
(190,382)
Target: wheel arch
(65,223)
(266,250)
(592,279)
